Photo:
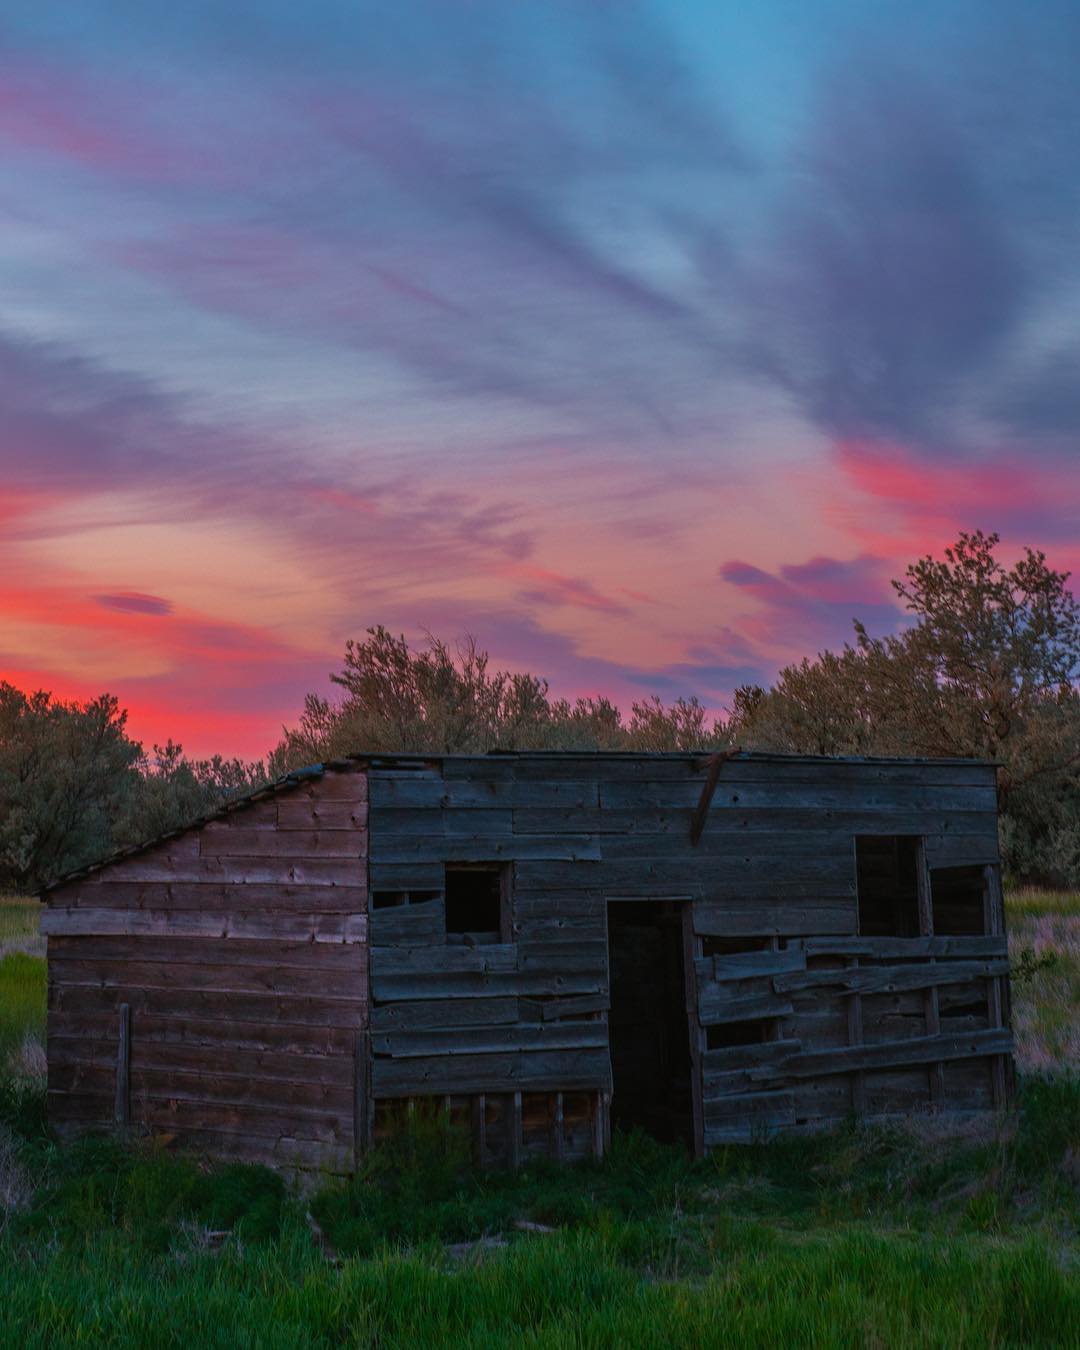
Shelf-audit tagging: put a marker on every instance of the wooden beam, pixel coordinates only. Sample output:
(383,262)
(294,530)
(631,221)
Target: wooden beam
(931,1014)
(513,1128)
(361,1094)
(994,923)
(558,1141)
(123,1067)
(909,1050)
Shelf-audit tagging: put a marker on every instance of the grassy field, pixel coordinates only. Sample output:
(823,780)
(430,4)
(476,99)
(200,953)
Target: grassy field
(930,1233)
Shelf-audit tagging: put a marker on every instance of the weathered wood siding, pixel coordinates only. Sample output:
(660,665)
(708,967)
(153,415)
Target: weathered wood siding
(848,1025)
(240,949)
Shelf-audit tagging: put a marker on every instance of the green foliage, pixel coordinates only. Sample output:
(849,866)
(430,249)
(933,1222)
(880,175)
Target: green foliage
(986,669)
(74,786)
(444,700)
(67,771)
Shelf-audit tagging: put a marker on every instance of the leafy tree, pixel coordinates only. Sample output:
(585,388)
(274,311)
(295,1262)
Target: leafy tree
(448,700)
(67,772)
(173,790)
(74,786)
(986,669)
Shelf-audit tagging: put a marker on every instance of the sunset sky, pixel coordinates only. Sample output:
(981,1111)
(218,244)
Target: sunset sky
(644,342)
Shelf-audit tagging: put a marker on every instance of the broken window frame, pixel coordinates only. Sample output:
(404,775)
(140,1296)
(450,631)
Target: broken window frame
(486,936)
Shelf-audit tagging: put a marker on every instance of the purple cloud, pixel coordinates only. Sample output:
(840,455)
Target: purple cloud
(134,602)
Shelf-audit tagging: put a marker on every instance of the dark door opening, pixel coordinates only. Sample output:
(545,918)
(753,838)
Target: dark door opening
(648,1024)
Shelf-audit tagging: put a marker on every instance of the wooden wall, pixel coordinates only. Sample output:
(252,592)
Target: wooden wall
(772,885)
(240,951)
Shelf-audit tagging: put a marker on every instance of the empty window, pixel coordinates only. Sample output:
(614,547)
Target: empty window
(729,1035)
(476,902)
(957,895)
(886,868)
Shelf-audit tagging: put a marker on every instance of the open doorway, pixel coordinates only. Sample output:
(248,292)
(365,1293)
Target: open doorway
(648,1025)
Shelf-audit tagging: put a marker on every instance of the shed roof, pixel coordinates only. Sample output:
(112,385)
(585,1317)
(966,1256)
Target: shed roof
(296,778)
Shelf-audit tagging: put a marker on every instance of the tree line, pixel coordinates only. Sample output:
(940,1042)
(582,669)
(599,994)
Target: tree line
(986,666)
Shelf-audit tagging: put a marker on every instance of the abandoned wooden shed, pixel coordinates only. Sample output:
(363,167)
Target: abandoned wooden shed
(705,947)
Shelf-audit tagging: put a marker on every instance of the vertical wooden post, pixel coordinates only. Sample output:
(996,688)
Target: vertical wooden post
(513,1129)
(600,1125)
(361,1097)
(557,1125)
(855,1035)
(994,926)
(123,1067)
(691,951)
(930,996)
(479,1114)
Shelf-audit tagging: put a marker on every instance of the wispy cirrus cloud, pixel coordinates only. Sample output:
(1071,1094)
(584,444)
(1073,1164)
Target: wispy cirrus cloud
(646,343)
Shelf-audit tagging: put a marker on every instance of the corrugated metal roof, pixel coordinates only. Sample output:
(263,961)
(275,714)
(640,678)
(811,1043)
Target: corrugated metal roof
(697,758)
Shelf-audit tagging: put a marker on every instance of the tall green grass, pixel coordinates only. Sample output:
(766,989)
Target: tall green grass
(22,1002)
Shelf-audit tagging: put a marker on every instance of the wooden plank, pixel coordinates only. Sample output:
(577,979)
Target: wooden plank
(529,1071)
(552,1009)
(123,1067)
(737,1058)
(255,1062)
(182,952)
(169,1001)
(407,876)
(813,795)
(772,919)
(236,870)
(431,1014)
(749,965)
(414,924)
(466,794)
(757,1108)
(107,893)
(466,984)
(293,813)
(255,925)
(225,840)
(563,957)
(888,1054)
(960,850)
(220,1093)
(716,1006)
(397,824)
(776,819)
(490,1039)
(130,976)
(885,948)
(224,1031)
(493,956)
(409,849)
(890,979)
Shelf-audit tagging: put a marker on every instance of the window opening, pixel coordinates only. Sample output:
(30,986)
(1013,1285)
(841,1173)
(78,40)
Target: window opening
(476,902)
(886,872)
(957,895)
(726,1035)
